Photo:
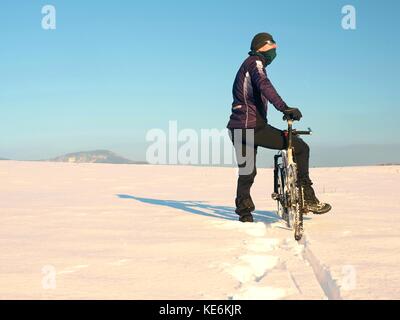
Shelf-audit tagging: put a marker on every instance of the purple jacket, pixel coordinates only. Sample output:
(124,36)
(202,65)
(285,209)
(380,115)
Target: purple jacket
(251,92)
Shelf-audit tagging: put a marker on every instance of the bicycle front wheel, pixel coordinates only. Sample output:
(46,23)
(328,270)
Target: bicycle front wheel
(295,214)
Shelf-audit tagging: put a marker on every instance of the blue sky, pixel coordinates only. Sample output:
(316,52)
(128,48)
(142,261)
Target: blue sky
(112,70)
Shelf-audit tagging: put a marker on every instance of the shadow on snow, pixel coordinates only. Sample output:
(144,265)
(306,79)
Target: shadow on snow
(205,209)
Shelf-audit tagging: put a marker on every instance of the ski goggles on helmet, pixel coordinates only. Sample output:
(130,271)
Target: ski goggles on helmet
(271,43)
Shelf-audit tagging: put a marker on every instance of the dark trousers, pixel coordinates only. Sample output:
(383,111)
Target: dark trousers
(270,138)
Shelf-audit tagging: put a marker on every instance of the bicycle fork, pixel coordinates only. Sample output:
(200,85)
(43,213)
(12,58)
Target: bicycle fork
(276,195)
(276,172)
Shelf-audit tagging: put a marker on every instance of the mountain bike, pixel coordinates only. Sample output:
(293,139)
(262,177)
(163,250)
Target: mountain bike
(287,191)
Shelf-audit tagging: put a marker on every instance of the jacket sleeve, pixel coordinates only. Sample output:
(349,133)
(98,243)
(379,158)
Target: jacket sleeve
(264,85)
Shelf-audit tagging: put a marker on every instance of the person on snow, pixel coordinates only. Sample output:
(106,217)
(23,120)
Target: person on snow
(251,92)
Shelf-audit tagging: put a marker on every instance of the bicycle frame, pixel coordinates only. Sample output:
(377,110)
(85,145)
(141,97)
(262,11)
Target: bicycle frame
(286,190)
(290,148)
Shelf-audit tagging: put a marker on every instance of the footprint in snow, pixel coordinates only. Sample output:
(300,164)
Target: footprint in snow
(253,267)
(263,245)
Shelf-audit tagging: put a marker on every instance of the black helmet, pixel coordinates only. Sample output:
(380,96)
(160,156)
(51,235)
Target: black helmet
(260,40)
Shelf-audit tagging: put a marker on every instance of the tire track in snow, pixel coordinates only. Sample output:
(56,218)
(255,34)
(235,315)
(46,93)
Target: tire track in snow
(299,271)
(271,267)
(321,272)
(308,276)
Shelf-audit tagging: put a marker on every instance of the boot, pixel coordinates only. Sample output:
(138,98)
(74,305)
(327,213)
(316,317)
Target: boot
(244,207)
(311,201)
(246,218)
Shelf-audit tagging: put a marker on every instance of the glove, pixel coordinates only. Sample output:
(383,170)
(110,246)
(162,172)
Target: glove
(292,113)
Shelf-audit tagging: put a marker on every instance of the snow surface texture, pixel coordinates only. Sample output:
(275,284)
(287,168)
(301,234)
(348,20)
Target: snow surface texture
(101,231)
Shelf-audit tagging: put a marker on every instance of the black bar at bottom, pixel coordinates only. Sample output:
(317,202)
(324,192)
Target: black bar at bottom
(193,309)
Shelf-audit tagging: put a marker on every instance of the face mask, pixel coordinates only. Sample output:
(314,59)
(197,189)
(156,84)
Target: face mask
(269,55)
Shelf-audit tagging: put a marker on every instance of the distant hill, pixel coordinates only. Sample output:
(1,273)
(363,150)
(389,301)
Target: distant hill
(96,156)
(3,159)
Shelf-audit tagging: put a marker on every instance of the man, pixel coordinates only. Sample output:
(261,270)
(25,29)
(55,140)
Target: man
(251,92)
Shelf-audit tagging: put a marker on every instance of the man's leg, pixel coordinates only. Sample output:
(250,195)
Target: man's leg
(302,159)
(272,138)
(243,201)
(246,159)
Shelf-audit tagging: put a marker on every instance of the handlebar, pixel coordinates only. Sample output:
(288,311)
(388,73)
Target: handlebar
(289,119)
(295,132)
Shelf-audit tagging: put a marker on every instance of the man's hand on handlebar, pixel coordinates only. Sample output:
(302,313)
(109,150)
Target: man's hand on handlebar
(292,113)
